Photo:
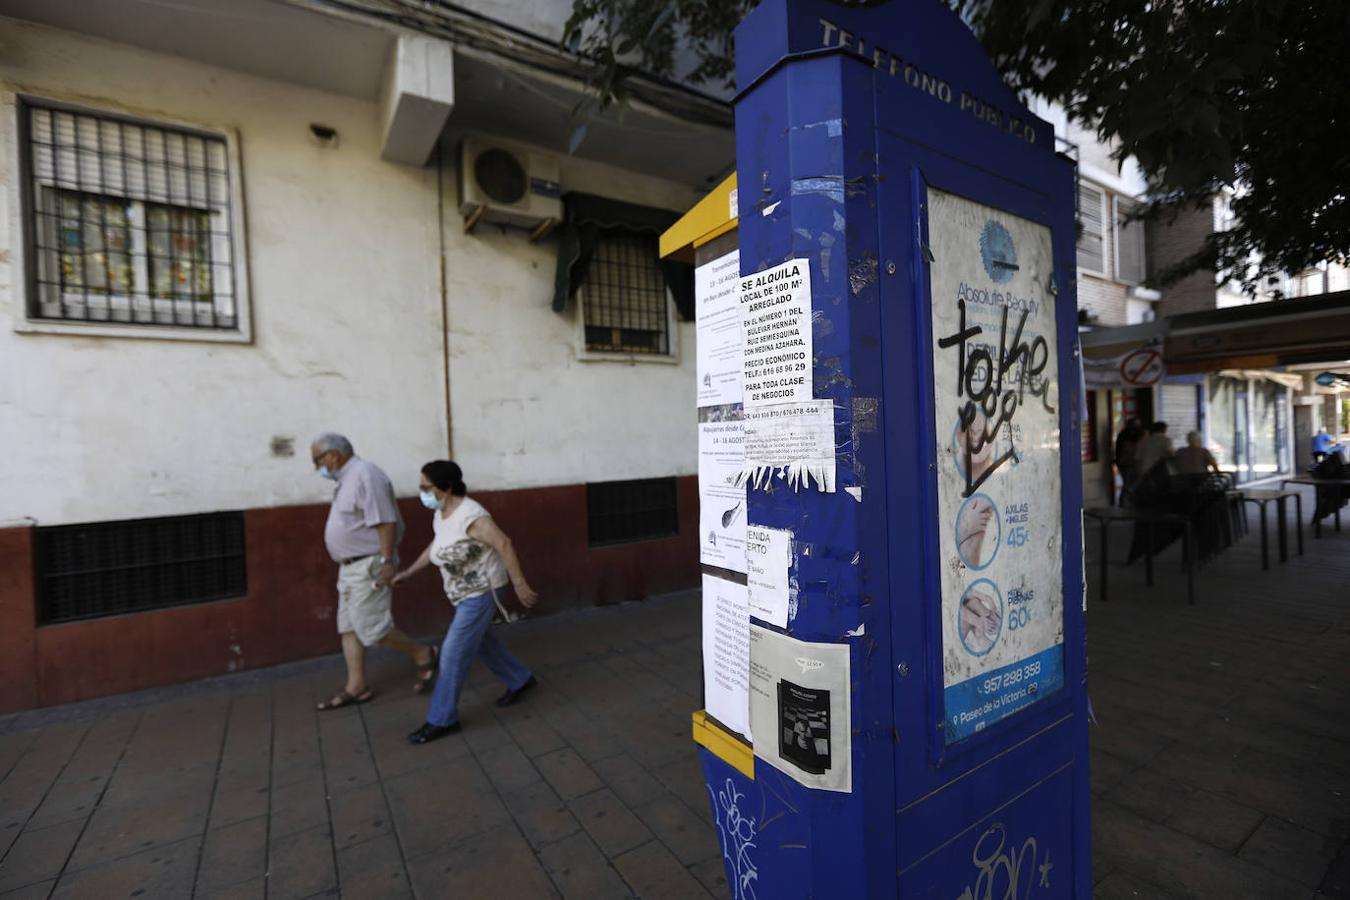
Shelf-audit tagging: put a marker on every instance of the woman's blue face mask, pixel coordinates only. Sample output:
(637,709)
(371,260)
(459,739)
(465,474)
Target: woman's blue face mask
(430,500)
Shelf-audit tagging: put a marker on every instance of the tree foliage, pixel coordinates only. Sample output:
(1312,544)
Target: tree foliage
(691,39)
(1252,95)
(1205,94)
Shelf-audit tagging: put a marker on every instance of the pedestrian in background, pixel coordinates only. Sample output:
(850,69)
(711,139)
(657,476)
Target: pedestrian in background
(362,535)
(476,560)
(1194,459)
(1126,456)
(1153,449)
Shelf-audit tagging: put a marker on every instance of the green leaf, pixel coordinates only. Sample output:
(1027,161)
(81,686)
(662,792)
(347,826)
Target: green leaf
(578,135)
(1207,118)
(1038,14)
(660,21)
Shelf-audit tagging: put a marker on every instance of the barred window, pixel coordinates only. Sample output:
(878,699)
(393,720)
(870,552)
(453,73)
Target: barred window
(105,568)
(624,297)
(619,512)
(131,222)
(1091,229)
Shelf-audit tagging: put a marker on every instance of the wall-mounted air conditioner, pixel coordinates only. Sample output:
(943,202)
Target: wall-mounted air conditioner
(506,184)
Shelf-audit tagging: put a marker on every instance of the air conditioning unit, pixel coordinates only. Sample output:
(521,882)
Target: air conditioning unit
(506,184)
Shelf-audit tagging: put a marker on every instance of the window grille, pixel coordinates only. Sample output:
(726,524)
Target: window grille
(1091,229)
(624,297)
(622,511)
(130,222)
(1130,263)
(105,568)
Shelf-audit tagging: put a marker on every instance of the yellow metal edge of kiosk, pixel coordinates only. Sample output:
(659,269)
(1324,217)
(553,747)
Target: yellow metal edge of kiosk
(707,219)
(724,745)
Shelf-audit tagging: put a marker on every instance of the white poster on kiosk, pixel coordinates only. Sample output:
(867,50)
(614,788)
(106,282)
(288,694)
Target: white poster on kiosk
(721,494)
(996,405)
(718,330)
(726,654)
(801,708)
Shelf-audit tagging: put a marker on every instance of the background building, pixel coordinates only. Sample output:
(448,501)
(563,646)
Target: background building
(226,228)
(1256,420)
(1113,264)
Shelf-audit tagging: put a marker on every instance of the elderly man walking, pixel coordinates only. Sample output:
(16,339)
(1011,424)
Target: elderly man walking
(362,535)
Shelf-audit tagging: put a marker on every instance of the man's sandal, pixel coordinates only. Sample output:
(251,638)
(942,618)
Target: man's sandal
(427,673)
(342,698)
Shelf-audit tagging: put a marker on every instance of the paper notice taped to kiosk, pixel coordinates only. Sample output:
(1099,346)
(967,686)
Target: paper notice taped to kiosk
(800,710)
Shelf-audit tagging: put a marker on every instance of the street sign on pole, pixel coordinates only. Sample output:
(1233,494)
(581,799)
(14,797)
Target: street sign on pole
(1143,368)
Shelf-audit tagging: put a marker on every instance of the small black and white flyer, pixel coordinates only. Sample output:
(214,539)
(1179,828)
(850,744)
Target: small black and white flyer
(800,708)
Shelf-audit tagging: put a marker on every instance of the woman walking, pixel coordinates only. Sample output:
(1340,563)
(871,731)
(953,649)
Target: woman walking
(476,560)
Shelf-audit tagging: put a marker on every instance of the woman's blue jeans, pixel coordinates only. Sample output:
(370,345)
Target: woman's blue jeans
(468,637)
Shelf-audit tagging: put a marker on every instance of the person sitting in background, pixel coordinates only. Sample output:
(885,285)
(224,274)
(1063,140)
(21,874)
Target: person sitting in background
(1194,459)
(1322,444)
(1153,449)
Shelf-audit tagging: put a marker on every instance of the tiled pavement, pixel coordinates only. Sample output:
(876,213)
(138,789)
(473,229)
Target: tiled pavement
(1221,757)
(236,788)
(1220,764)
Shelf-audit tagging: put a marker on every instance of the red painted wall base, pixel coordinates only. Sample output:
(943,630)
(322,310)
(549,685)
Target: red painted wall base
(289,610)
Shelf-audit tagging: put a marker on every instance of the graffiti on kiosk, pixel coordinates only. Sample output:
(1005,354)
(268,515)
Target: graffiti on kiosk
(995,376)
(980,379)
(1006,873)
(738,839)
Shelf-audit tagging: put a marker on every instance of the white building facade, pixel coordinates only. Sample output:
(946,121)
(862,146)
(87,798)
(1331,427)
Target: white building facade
(227,228)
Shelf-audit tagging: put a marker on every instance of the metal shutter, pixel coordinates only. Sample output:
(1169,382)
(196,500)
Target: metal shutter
(1180,410)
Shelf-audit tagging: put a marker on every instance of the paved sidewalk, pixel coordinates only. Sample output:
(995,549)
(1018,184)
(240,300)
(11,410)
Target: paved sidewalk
(1221,757)
(1220,764)
(235,787)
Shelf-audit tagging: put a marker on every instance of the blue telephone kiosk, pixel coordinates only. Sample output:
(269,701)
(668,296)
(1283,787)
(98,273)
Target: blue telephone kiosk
(912,715)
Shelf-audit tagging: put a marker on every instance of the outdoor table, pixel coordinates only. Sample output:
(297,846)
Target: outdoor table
(1320,482)
(1237,512)
(1107,515)
(1281,500)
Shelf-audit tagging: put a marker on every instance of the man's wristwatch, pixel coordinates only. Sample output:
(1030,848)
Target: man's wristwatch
(386,560)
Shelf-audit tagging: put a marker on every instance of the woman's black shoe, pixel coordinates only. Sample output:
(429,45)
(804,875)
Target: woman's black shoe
(512,696)
(429,732)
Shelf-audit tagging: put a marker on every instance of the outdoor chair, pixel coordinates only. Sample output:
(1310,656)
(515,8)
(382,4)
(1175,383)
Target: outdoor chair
(1204,500)
(1237,509)
(1329,498)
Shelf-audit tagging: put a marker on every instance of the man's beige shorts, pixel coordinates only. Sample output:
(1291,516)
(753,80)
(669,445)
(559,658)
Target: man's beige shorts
(363,608)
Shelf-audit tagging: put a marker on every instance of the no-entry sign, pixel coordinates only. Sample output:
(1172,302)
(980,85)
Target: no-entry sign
(1142,368)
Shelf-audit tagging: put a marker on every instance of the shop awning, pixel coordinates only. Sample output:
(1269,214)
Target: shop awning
(1257,336)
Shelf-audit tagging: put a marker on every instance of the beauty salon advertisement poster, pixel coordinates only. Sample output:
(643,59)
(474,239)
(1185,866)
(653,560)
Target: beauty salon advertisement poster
(995,380)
